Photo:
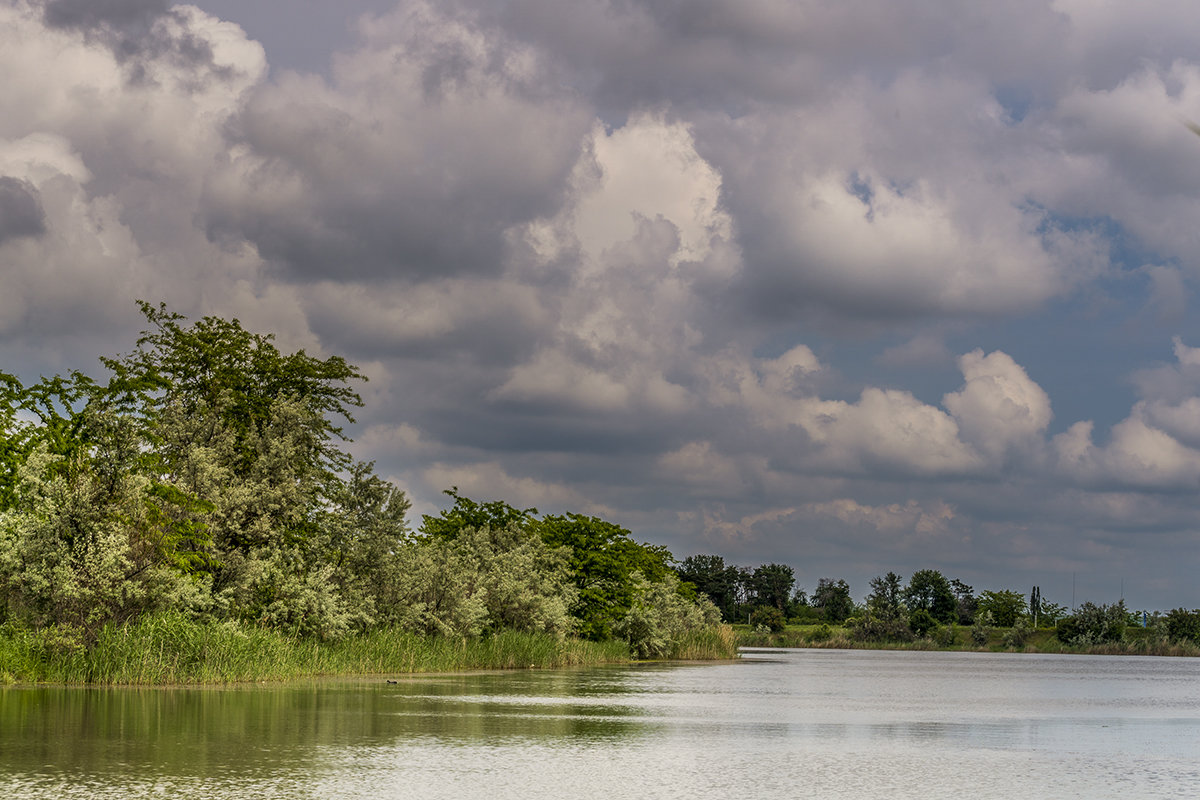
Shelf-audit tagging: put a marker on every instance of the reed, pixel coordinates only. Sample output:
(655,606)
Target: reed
(706,644)
(169,648)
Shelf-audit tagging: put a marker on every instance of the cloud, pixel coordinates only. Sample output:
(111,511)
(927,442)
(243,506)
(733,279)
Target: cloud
(999,409)
(638,259)
(21,212)
(436,137)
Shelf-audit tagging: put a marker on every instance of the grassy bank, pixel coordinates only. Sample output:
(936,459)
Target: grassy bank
(170,649)
(1136,642)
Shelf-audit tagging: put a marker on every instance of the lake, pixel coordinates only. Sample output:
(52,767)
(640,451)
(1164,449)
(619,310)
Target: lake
(778,723)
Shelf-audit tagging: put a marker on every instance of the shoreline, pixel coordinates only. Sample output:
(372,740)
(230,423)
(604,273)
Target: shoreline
(1139,642)
(170,650)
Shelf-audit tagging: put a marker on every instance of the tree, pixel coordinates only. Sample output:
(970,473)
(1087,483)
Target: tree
(712,578)
(1005,607)
(603,559)
(467,513)
(966,601)
(929,590)
(885,600)
(771,585)
(214,479)
(833,598)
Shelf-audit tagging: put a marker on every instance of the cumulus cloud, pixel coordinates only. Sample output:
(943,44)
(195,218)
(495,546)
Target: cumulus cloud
(434,139)
(999,408)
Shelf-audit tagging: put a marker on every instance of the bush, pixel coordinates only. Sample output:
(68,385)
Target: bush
(660,619)
(768,617)
(1018,634)
(921,622)
(981,631)
(947,635)
(1183,625)
(1093,624)
(821,634)
(870,628)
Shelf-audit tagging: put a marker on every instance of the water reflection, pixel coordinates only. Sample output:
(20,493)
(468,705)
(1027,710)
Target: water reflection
(804,723)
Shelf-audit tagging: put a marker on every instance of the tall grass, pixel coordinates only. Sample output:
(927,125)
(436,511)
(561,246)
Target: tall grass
(706,644)
(168,648)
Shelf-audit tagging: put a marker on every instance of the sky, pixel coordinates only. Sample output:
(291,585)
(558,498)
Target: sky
(854,287)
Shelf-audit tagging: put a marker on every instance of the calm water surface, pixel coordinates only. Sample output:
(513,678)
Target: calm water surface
(781,723)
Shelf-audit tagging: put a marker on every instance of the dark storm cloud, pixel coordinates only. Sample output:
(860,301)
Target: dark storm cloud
(124,15)
(21,211)
(129,28)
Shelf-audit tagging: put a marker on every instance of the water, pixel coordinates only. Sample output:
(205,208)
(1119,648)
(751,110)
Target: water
(781,723)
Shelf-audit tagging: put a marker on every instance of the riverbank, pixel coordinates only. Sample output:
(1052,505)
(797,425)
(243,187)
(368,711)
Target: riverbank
(1137,641)
(169,649)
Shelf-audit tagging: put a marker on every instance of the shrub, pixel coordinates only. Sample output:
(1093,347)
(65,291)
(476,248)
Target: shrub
(1018,634)
(768,617)
(921,622)
(821,634)
(1183,625)
(1094,624)
(982,629)
(870,628)
(947,635)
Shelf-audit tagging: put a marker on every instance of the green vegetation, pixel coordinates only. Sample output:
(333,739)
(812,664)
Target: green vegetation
(203,490)
(170,648)
(930,612)
(1140,641)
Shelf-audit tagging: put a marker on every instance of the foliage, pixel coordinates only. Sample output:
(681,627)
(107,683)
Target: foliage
(1182,625)
(468,513)
(833,598)
(822,633)
(659,617)
(771,585)
(981,630)
(603,559)
(1051,613)
(1094,624)
(768,617)
(711,577)
(1018,634)
(929,590)
(921,621)
(966,602)
(1004,606)
(872,628)
(886,598)
(483,580)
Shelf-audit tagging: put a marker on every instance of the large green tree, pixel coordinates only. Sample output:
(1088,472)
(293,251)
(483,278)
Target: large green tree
(886,600)
(714,579)
(929,590)
(832,597)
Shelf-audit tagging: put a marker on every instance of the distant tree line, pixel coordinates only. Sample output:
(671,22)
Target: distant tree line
(206,476)
(767,597)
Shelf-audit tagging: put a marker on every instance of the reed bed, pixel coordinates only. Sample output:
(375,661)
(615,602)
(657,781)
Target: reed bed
(168,648)
(706,644)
